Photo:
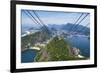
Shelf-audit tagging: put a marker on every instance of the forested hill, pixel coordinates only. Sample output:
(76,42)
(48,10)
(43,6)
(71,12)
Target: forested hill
(56,50)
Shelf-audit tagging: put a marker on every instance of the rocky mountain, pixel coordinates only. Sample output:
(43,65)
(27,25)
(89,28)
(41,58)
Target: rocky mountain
(57,50)
(69,27)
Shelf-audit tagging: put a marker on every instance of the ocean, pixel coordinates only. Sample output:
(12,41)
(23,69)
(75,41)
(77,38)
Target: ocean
(81,42)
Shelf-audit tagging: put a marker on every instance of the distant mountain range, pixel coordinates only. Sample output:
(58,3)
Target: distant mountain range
(69,27)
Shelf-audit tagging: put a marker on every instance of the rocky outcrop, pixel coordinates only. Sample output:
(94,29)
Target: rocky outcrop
(75,51)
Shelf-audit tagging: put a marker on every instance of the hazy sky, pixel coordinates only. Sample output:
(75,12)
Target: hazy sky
(51,17)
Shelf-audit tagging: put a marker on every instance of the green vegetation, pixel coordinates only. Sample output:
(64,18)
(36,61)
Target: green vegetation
(33,38)
(42,55)
(39,54)
(56,50)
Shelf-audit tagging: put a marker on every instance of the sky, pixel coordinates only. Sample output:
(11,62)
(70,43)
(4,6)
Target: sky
(53,17)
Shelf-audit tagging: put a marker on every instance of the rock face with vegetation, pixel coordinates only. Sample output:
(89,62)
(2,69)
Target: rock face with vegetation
(56,50)
(52,48)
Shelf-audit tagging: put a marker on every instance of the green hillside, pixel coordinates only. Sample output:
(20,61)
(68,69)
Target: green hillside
(56,50)
(33,38)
